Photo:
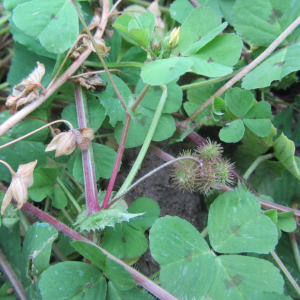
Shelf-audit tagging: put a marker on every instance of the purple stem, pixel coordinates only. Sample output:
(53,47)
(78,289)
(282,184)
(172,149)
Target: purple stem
(90,183)
(117,162)
(139,278)
(12,277)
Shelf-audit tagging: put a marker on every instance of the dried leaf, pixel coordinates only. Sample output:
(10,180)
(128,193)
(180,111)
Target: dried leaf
(91,81)
(27,90)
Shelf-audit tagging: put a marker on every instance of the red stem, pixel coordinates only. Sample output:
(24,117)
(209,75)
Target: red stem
(139,278)
(117,162)
(90,183)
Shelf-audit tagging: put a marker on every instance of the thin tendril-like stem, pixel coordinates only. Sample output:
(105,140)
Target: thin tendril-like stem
(285,271)
(152,172)
(9,167)
(33,132)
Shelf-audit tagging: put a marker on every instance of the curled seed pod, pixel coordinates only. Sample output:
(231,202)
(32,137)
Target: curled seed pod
(209,151)
(185,174)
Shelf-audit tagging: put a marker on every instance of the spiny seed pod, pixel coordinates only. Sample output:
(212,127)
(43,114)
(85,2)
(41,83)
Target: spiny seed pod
(185,174)
(207,178)
(209,151)
(224,175)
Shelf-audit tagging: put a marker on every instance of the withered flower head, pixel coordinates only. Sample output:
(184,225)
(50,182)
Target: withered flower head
(27,90)
(19,184)
(63,143)
(66,142)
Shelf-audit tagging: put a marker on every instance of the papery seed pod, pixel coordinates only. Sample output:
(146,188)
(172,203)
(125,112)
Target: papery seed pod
(84,136)
(19,184)
(63,143)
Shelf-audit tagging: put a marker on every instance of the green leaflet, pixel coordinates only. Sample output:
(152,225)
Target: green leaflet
(180,9)
(43,186)
(73,280)
(269,296)
(95,110)
(256,116)
(140,28)
(247,230)
(114,293)
(43,21)
(284,152)
(165,70)
(238,277)
(92,253)
(280,64)
(36,251)
(184,257)
(265,21)
(125,241)
(23,63)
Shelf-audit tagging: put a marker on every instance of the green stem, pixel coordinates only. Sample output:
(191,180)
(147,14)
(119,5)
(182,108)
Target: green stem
(146,4)
(285,271)
(58,253)
(47,204)
(67,192)
(4,85)
(209,81)
(295,249)
(154,275)
(147,141)
(4,30)
(204,232)
(4,19)
(254,165)
(24,221)
(114,64)
(67,216)
(75,182)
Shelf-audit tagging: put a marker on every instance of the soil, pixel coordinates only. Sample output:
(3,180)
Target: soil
(159,187)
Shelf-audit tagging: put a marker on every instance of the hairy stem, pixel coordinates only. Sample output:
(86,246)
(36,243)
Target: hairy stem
(9,167)
(241,74)
(12,277)
(254,165)
(119,196)
(90,183)
(285,271)
(139,278)
(147,141)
